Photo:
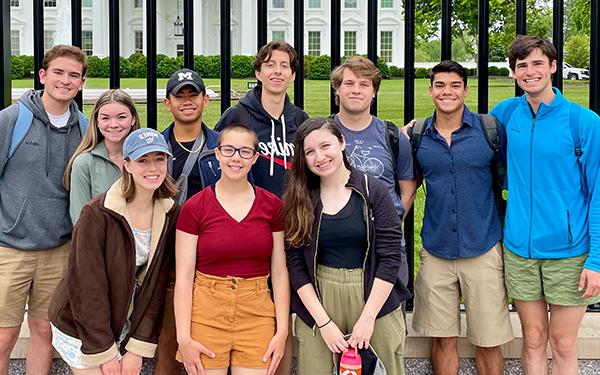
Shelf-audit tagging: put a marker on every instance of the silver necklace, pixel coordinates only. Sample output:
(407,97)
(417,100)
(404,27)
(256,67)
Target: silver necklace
(192,151)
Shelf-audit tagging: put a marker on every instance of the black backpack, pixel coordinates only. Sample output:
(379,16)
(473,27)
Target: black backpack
(493,136)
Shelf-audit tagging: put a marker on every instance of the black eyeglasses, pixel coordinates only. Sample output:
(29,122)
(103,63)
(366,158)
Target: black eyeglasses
(244,152)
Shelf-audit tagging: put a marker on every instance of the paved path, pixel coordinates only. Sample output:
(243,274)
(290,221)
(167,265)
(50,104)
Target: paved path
(413,367)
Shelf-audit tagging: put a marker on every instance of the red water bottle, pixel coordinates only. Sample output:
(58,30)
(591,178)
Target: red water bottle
(350,363)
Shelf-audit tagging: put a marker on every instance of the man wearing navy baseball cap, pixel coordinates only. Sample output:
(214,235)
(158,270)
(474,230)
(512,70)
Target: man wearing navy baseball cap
(194,167)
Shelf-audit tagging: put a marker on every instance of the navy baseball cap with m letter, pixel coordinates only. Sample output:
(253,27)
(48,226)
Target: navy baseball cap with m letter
(182,78)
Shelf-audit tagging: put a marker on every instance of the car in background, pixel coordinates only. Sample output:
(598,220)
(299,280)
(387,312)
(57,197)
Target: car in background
(572,73)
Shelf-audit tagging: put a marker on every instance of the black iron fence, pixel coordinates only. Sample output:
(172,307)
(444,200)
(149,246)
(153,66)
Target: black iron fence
(335,32)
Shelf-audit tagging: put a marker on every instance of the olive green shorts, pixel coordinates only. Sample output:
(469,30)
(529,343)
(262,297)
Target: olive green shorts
(554,280)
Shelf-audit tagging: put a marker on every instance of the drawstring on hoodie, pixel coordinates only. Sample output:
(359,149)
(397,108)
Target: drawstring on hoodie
(274,144)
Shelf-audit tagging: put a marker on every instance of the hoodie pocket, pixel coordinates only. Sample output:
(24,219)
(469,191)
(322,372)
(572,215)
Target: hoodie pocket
(40,220)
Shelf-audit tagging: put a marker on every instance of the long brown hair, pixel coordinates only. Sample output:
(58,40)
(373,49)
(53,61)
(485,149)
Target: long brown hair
(92,136)
(167,189)
(304,186)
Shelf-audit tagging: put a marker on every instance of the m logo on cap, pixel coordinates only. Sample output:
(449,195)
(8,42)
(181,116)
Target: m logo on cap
(186,76)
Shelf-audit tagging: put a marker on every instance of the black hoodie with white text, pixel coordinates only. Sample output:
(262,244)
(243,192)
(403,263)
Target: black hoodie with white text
(275,137)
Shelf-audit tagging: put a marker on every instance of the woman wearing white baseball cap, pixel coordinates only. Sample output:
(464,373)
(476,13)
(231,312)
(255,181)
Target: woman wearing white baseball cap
(106,312)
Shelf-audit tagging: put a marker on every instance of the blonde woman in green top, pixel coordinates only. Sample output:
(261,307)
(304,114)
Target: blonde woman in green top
(97,162)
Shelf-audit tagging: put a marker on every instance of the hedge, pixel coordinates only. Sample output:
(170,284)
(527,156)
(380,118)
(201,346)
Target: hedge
(134,66)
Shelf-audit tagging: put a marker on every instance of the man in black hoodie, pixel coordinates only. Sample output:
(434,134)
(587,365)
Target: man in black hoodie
(269,112)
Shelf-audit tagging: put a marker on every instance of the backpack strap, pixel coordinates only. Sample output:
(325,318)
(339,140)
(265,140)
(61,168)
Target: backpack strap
(415,135)
(493,136)
(21,128)
(393,144)
(83,123)
(491,131)
(574,113)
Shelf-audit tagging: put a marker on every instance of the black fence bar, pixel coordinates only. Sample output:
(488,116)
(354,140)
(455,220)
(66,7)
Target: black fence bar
(299,46)
(225,54)
(336,31)
(521,27)
(38,41)
(151,115)
(372,40)
(188,33)
(409,114)
(76,38)
(595,57)
(261,23)
(113,43)
(5,76)
(483,55)
(446,29)
(558,40)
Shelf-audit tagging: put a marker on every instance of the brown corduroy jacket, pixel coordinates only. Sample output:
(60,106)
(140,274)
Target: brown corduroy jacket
(96,297)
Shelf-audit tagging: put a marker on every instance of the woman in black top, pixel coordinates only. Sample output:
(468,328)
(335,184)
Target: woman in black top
(343,254)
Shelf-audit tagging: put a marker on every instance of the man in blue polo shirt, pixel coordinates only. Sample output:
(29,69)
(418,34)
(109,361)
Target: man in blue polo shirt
(462,254)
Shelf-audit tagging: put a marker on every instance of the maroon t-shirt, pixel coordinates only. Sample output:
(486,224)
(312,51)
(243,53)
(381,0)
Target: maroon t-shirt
(227,247)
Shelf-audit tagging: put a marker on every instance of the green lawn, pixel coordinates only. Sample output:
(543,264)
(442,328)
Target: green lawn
(316,103)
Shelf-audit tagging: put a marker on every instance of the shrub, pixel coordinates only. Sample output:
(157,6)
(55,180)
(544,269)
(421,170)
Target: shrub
(383,68)
(503,72)
(97,67)
(138,66)
(166,66)
(493,71)
(241,66)
(308,60)
(21,67)
(421,73)
(320,68)
(394,71)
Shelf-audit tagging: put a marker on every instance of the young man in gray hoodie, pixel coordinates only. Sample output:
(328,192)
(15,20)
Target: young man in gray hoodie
(34,205)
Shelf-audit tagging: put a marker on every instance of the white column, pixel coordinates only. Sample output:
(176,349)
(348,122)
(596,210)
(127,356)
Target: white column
(248,26)
(161,27)
(63,22)
(100,27)
(144,25)
(198,27)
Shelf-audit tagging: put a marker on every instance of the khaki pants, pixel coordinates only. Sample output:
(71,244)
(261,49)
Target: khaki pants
(342,298)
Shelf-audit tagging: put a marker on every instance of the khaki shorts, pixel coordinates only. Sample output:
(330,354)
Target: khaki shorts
(441,283)
(554,280)
(234,318)
(29,277)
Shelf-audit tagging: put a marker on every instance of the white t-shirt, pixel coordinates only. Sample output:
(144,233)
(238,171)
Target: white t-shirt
(60,120)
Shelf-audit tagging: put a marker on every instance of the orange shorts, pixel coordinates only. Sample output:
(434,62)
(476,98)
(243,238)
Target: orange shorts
(234,318)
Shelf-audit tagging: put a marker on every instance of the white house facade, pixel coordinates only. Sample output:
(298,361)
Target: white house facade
(317,33)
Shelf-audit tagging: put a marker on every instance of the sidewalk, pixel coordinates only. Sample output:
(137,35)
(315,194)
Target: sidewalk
(416,352)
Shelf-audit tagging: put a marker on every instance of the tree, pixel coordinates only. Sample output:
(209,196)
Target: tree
(577,51)
(577,20)
(465,21)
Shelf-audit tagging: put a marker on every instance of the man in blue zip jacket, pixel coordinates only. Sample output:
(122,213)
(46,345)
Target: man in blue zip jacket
(194,166)
(552,229)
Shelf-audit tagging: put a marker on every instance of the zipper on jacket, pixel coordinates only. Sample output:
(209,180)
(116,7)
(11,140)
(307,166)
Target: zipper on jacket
(569,228)
(531,183)
(210,165)
(367,222)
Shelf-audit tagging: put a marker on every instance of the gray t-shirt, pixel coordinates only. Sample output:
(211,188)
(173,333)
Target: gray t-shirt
(367,151)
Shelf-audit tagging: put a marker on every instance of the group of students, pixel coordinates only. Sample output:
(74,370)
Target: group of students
(196,244)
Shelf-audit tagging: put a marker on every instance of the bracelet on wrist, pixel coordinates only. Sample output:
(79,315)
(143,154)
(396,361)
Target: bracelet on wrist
(324,324)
